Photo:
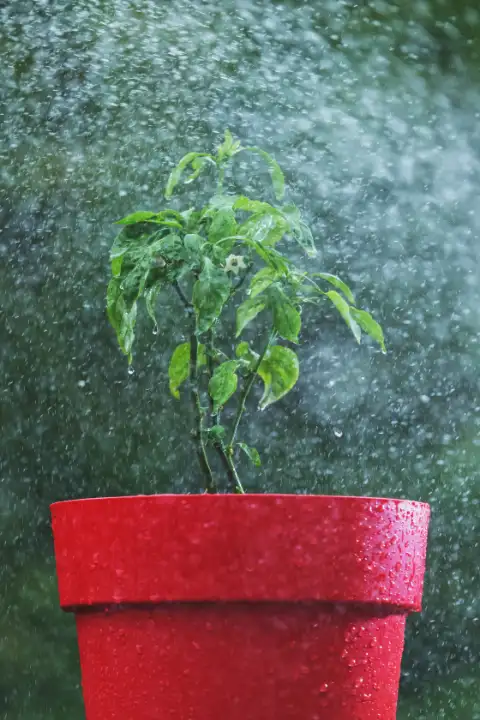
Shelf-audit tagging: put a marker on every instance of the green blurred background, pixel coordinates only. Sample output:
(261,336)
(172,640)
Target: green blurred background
(372,108)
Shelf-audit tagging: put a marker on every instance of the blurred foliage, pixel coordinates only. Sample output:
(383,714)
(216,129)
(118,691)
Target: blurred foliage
(372,108)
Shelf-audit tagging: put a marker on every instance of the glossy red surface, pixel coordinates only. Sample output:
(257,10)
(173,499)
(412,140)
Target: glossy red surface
(242,607)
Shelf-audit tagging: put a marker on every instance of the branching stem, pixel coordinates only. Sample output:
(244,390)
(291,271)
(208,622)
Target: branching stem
(225,458)
(188,305)
(210,484)
(246,391)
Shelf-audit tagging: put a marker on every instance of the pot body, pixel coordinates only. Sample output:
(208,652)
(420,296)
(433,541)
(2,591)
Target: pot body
(266,607)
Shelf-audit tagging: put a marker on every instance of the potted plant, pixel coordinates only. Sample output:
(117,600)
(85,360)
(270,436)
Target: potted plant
(226,604)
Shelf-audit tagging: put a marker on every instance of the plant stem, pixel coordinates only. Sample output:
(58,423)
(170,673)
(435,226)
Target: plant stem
(245,393)
(210,484)
(210,349)
(230,468)
(239,284)
(182,296)
(219,446)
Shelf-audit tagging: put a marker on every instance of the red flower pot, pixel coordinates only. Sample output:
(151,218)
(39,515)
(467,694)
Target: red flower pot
(254,607)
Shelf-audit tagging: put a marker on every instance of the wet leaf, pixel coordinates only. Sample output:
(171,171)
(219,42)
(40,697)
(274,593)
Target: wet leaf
(334,280)
(136,217)
(262,280)
(193,243)
(117,262)
(176,174)
(179,368)
(249,310)
(370,326)
(253,206)
(304,238)
(223,383)
(223,226)
(122,316)
(286,318)
(220,202)
(151,296)
(245,353)
(271,257)
(344,310)
(252,453)
(300,230)
(197,166)
(210,293)
(216,433)
(278,179)
(228,148)
(279,371)
(267,228)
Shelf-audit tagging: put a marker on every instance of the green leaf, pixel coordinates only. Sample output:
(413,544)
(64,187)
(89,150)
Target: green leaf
(267,228)
(279,371)
(242,349)
(278,179)
(304,238)
(228,148)
(117,262)
(217,433)
(197,166)
(273,258)
(168,223)
(300,230)
(292,214)
(248,357)
(176,174)
(244,352)
(262,280)
(370,326)
(171,218)
(151,296)
(344,310)
(169,247)
(334,280)
(179,368)
(136,217)
(223,383)
(220,202)
(286,318)
(122,317)
(133,282)
(223,226)
(252,453)
(249,310)
(122,243)
(193,243)
(210,293)
(253,206)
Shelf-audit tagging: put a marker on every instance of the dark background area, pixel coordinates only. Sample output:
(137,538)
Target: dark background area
(372,109)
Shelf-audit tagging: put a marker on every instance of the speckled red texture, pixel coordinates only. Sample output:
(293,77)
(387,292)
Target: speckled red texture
(255,607)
